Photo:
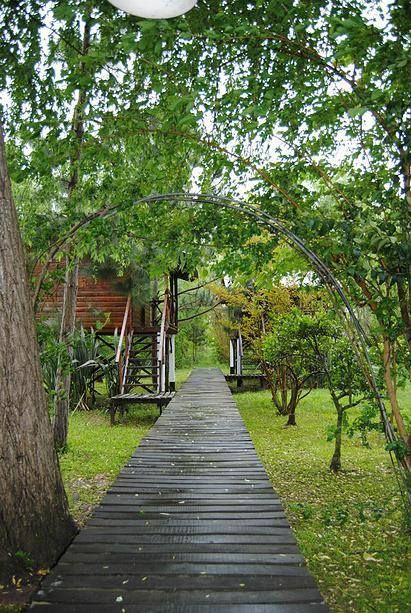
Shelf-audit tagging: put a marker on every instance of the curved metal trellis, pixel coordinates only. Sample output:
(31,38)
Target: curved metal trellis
(333,285)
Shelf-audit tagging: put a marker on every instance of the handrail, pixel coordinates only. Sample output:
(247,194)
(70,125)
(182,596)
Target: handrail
(164,321)
(125,361)
(162,339)
(123,329)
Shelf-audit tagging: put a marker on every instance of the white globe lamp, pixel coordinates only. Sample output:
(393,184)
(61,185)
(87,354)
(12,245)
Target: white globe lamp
(154,9)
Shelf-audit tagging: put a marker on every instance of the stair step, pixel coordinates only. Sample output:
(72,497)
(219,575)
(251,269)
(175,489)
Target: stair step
(139,363)
(130,379)
(142,368)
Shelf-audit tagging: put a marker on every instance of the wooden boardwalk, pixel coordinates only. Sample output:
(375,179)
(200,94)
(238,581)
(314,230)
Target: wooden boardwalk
(191,524)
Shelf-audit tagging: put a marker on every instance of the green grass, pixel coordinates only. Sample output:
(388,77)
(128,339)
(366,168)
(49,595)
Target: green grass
(96,451)
(349,526)
(181,375)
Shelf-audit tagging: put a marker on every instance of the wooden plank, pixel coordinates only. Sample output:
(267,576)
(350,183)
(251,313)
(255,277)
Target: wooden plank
(191,524)
(222,582)
(193,607)
(148,597)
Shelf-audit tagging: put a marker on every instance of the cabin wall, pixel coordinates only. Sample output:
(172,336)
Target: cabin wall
(99,301)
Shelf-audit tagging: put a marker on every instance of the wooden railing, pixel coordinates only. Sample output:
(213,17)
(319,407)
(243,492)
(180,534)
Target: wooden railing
(120,359)
(126,340)
(161,357)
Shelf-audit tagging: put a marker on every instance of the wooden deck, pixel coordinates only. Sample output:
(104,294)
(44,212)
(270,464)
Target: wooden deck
(117,402)
(191,524)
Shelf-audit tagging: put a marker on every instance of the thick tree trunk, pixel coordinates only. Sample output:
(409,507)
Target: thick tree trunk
(63,378)
(335,464)
(34,516)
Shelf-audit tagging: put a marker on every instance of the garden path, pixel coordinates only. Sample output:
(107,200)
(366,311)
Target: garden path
(191,524)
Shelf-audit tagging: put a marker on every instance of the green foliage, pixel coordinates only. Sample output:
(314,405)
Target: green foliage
(52,353)
(336,141)
(299,340)
(349,525)
(91,362)
(195,309)
(366,421)
(399,448)
(25,559)
(344,373)
(296,350)
(86,349)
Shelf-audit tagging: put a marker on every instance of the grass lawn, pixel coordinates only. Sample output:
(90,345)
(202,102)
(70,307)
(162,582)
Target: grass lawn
(96,451)
(349,526)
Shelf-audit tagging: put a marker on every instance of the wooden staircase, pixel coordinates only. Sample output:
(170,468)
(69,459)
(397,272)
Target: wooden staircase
(143,357)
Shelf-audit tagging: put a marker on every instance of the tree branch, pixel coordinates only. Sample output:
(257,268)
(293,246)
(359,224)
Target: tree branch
(199,314)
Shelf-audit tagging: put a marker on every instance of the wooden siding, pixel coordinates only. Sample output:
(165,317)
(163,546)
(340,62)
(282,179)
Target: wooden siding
(99,301)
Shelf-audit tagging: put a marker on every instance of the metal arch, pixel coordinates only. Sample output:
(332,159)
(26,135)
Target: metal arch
(331,282)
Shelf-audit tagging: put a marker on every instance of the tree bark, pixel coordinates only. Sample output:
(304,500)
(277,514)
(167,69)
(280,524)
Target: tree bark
(291,418)
(292,405)
(335,464)
(34,515)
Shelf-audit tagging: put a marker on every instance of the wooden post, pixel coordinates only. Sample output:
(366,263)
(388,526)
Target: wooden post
(167,364)
(239,372)
(159,364)
(239,358)
(232,359)
(172,363)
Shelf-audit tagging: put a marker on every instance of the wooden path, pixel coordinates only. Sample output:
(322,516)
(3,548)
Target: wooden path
(191,524)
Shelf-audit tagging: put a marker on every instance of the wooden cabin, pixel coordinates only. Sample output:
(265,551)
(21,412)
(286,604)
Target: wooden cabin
(101,302)
(143,335)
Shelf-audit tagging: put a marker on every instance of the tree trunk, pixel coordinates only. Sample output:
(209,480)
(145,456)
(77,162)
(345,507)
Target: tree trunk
(291,418)
(292,405)
(68,316)
(63,378)
(392,395)
(34,516)
(335,464)
(271,379)
(284,390)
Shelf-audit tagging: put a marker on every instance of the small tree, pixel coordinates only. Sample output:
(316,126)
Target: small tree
(324,340)
(295,351)
(347,386)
